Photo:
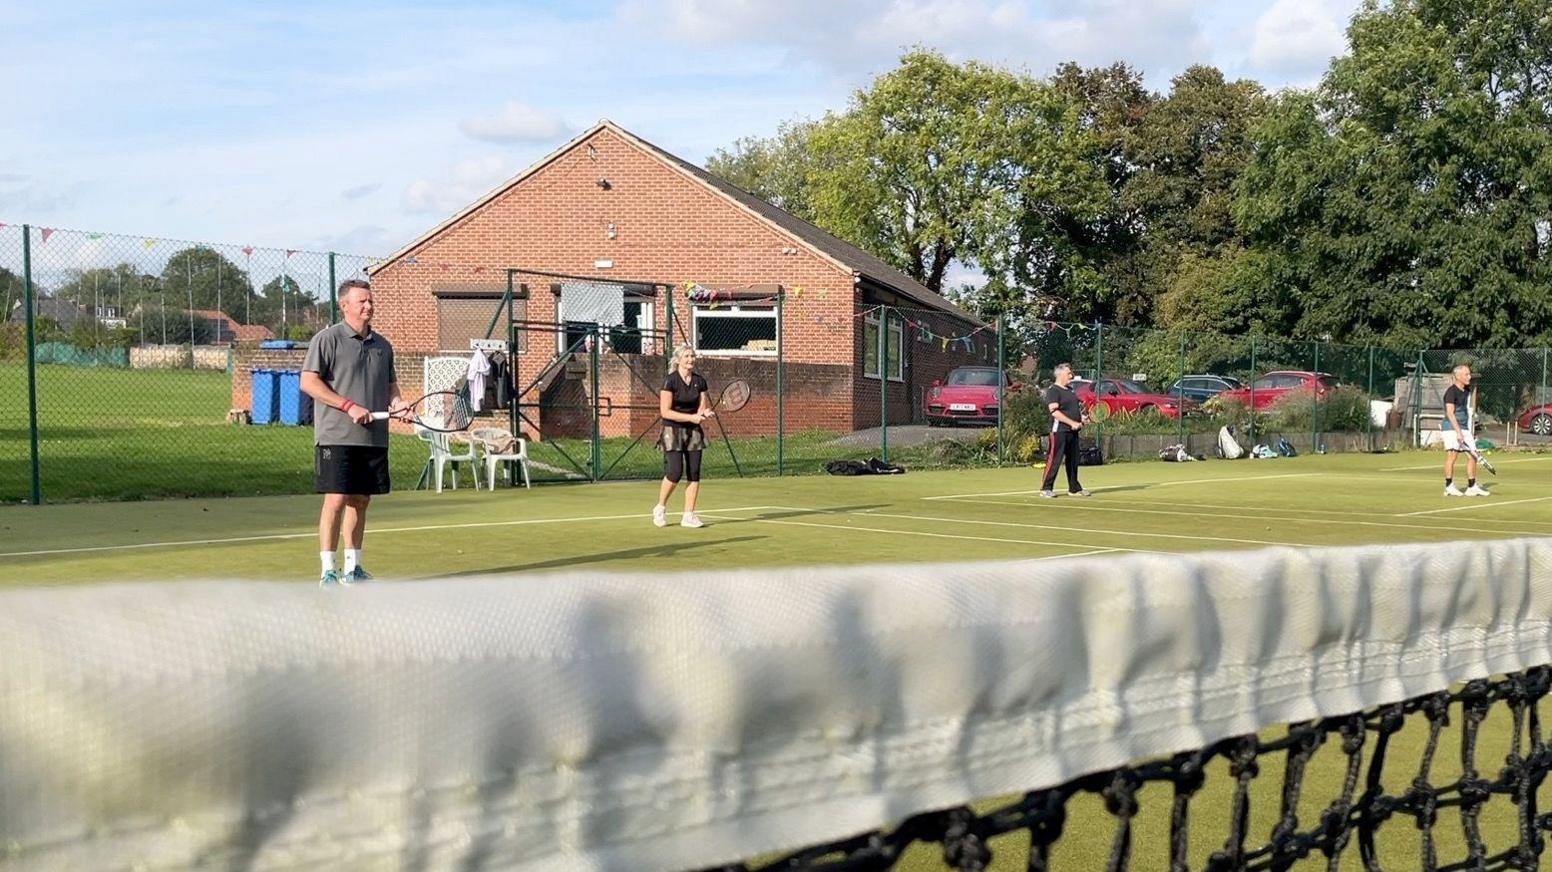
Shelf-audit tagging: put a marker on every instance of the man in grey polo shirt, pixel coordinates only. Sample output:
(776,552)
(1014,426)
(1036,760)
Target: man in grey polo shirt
(349,374)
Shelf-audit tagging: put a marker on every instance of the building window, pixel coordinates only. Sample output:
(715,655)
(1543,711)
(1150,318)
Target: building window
(465,316)
(894,360)
(636,336)
(735,330)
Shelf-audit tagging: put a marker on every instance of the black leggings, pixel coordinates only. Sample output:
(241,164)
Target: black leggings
(682,464)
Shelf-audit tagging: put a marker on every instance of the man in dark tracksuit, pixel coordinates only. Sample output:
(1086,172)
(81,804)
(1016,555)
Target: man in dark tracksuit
(1066,421)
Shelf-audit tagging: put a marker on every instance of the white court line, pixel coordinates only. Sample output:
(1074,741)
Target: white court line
(855,528)
(1175,513)
(1439,464)
(1086,530)
(1478,505)
(1151,484)
(1338,512)
(376,531)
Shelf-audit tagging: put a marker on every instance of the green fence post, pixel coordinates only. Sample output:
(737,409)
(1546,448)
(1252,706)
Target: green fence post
(1315,406)
(1542,397)
(1099,369)
(1250,426)
(594,339)
(1002,378)
(32,364)
(1180,395)
(668,314)
(883,381)
(1369,427)
(333,293)
(781,366)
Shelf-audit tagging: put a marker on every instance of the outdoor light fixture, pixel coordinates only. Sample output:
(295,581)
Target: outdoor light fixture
(604,183)
(609,231)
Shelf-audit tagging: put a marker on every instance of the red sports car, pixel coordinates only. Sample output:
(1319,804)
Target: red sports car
(1119,394)
(1273,386)
(1537,419)
(969,394)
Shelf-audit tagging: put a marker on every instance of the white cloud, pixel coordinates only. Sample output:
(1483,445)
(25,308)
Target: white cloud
(1296,39)
(514,122)
(466,182)
(359,191)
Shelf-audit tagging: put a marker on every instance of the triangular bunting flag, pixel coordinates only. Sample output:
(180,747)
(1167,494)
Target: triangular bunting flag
(47,232)
(94,236)
(247,250)
(148,243)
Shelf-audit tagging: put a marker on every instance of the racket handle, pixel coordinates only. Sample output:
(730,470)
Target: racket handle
(381,416)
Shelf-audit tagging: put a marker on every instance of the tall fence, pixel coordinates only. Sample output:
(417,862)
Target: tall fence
(140,367)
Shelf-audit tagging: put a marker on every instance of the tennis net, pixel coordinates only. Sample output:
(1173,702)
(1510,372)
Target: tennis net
(1135,708)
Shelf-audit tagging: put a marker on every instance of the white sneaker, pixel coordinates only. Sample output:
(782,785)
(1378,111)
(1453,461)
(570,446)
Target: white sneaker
(1477,490)
(659,516)
(1453,491)
(691,519)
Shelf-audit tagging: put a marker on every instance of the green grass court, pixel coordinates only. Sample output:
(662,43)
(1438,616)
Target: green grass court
(930,516)
(923,516)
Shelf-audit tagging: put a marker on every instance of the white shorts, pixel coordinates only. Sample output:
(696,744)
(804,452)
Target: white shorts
(1451,441)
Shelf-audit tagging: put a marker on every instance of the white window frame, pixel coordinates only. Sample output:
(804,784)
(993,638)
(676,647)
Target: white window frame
(897,329)
(766,312)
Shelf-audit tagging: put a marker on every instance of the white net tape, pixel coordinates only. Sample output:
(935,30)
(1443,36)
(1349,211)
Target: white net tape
(587,721)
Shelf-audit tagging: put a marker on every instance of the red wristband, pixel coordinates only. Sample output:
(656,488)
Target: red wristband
(347,406)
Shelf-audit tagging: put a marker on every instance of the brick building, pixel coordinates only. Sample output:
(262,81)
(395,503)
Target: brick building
(612,207)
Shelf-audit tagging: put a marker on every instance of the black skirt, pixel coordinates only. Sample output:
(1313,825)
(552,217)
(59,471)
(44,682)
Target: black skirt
(685,437)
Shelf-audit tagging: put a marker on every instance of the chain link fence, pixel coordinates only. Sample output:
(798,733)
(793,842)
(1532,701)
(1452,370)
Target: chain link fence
(152,367)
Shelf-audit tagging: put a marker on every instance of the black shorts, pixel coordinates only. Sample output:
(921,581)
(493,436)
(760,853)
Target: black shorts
(359,470)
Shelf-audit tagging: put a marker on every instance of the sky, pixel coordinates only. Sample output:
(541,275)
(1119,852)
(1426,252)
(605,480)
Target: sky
(354,126)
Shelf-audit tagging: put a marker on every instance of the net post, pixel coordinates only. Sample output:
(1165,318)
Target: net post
(32,364)
(1002,378)
(333,293)
(883,382)
(781,365)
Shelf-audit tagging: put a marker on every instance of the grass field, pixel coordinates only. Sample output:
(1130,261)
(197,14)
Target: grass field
(121,434)
(921,516)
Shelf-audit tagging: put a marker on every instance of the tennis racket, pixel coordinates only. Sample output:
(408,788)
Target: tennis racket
(1476,454)
(442,411)
(735,394)
(1471,435)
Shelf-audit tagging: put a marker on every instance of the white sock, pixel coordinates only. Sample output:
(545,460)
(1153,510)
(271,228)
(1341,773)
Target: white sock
(352,559)
(328,559)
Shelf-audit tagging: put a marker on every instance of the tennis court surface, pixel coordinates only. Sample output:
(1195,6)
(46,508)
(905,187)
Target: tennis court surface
(918,517)
(541,679)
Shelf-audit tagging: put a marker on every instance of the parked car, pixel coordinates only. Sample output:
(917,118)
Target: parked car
(1119,394)
(1203,387)
(1273,386)
(968,394)
(1537,419)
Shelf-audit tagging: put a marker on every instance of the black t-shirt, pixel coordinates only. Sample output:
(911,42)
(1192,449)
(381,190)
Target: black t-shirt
(687,397)
(1066,400)
(1462,401)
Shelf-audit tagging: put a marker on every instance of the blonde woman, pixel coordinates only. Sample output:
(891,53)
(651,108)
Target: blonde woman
(684,404)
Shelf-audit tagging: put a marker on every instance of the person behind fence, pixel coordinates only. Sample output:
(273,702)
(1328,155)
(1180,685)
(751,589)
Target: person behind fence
(349,373)
(1066,422)
(1459,399)
(684,404)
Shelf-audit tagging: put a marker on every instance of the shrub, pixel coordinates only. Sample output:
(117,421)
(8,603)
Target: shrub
(1343,409)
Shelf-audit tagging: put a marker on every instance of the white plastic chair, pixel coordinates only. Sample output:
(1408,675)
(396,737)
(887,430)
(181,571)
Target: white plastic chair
(486,437)
(442,454)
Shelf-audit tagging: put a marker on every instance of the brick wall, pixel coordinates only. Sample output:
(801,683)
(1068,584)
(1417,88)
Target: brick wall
(666,228)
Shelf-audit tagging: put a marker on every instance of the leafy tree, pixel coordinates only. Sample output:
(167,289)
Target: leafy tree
(203,278)
(775,169)
(1408,197)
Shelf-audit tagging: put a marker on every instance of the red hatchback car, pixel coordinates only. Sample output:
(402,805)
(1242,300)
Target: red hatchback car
(968,394)
(1537,419)
(1119,394)
(1273,386)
